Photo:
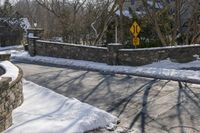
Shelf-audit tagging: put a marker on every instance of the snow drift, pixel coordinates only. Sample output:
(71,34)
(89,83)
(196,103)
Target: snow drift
(45,111)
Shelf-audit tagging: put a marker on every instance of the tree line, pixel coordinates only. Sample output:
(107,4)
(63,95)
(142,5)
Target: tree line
(94,22)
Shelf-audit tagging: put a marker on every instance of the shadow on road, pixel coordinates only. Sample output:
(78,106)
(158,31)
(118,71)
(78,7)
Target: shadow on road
(150,105)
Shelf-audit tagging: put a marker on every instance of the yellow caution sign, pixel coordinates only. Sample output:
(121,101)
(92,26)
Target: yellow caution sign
(136,41)
(135,29)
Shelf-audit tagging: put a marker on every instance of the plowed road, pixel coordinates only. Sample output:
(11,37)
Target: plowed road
(142,104)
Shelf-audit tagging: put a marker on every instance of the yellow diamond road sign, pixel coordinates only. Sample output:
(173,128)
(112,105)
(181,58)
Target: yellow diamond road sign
(135,29)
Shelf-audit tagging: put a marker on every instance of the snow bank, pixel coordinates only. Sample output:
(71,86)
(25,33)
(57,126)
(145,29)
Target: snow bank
(11,70)
(161,70)
(24,56)
(167,64)
(45,111)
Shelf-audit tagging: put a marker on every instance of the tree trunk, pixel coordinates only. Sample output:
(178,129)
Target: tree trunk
(158,31)
(177,20)
(154,21)
(121,23)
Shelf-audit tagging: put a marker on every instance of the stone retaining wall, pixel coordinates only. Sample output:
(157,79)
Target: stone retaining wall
(135,57)
(11,96)
(70,51)
(114,54)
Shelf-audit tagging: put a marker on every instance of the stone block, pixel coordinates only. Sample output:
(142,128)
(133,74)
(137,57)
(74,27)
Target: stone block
(8,120)
(113,53)
(2,124)
(4,57)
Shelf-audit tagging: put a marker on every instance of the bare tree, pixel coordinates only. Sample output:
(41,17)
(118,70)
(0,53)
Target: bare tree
(109,10)
(63,10)
(154,20)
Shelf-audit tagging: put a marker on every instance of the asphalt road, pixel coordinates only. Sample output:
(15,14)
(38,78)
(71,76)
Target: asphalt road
(142,104)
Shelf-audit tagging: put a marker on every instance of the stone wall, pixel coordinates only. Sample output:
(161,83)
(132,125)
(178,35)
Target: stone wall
(11,96)
(114,54)
(135,57)
(70,51)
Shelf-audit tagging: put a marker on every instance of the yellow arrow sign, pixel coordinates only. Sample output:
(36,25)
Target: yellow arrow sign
(136,41)
(135,29)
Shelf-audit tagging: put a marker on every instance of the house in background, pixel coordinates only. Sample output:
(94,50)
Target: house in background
(12,31)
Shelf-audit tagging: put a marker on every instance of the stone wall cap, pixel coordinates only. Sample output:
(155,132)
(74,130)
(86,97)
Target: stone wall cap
(4,55)
(161,48)
(10,70)
(4,52)
(6,79)
(73,45)
(114,44)
(35,29)
(33,37)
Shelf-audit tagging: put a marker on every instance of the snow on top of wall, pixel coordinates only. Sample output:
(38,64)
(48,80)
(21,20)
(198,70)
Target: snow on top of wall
(162,48)
(54,113)
(69,44)
(11,70)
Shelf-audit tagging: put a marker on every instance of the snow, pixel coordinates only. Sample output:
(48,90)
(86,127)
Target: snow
(13,22)
(11,47)
(158,5)
(24,23)
(125,13)
(74,45)
(54,113)
(162,70)
(11,70)
(161,48)
(173,65)
(30,35)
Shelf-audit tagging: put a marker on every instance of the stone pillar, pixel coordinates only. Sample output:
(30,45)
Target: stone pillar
(113,49)
(31,39)
(35,32)
(32,45)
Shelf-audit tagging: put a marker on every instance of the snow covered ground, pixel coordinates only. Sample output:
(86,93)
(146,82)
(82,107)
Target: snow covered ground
(11,47)
(162,70)
(45,111)
(165,64)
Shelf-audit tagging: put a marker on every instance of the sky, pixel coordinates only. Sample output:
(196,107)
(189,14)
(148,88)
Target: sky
(2,1)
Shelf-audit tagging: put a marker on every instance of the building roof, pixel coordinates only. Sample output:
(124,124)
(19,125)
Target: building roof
(15,23)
